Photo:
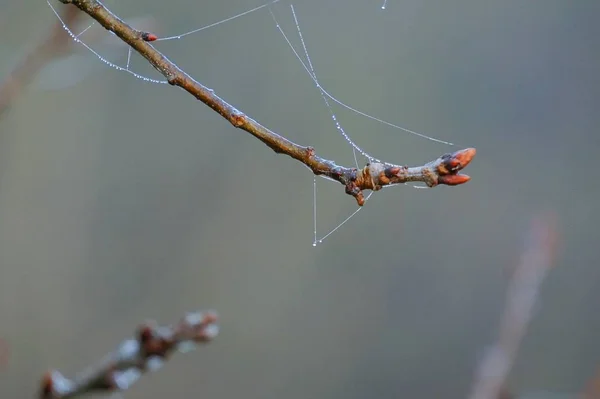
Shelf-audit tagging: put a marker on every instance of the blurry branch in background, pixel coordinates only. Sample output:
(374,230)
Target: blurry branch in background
(521,296)
(4,353)
(146,352)
(592,391)
(444,170)
(48,48)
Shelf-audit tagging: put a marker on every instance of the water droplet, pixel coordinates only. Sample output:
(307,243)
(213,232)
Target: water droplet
(314,244)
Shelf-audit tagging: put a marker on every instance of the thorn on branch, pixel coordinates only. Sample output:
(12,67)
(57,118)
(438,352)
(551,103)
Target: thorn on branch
(146,352)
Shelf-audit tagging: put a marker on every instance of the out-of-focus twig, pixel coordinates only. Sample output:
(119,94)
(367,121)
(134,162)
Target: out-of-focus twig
(48,48)
(523,290)
(592,390)
(4,353)
(146,352)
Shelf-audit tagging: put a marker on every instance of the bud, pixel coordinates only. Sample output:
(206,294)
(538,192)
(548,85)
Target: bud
(453,180)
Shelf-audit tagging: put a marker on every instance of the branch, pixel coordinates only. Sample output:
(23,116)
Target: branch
(592,391)
(121,369)
(45,51)
(444,170)
(523,290)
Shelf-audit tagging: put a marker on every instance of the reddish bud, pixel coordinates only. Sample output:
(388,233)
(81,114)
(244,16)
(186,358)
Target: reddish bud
(149,37)
(462,158)
(360,199)
(145,333)
(453,180)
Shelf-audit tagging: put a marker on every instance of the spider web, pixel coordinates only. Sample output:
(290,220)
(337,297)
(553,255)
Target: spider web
(306,62)
(327,97)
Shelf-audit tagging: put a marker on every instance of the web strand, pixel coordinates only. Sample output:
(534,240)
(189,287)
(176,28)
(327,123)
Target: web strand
(128,57)
(323,92)
(319,241)
(308,66)
(315,210)
(83,31)
(76,38)
(314,76)
(101,58)
(310,69)
(348,107)
(175,37)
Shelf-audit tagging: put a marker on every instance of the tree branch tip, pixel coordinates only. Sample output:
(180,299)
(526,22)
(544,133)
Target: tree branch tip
(54,384)
(451,164)
(210,316)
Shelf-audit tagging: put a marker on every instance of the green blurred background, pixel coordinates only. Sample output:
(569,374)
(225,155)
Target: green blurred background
(122,200)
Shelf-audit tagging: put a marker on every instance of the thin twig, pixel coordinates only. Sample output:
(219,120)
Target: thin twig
(592,389)
(523,290)
(444,170)
(146,352)
(48,48)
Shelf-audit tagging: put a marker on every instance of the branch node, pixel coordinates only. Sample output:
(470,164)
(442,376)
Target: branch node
(431,178)
(172,78)
(237,118)
(353,190)
(310,152)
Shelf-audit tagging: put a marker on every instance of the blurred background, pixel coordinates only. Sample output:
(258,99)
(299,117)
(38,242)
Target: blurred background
(122,201)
